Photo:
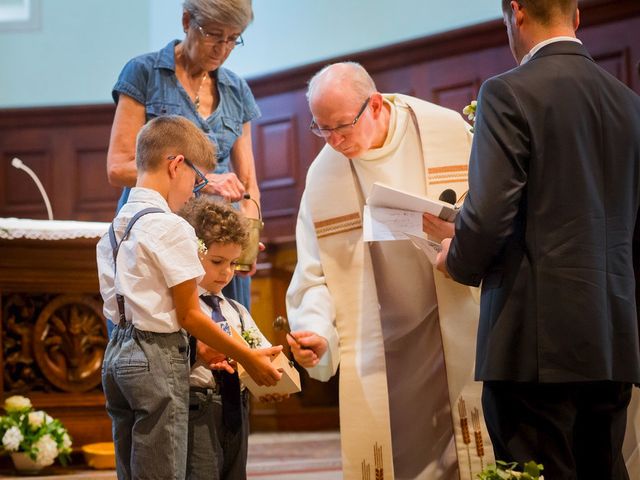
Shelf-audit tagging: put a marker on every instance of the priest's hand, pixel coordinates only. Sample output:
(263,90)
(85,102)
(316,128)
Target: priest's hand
(437,228)
(307,347)
(441,259)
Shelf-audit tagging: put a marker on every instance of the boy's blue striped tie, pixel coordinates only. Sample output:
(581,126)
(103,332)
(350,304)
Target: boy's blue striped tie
(229,382)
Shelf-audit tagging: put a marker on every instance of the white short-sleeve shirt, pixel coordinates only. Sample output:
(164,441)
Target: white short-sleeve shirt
(160,253)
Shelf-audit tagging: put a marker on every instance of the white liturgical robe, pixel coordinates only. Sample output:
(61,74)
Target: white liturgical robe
(418,404)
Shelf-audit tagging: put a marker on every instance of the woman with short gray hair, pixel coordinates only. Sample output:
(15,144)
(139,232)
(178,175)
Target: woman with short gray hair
(187,78)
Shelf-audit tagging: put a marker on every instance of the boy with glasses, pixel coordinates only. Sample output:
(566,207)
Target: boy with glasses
(148,269)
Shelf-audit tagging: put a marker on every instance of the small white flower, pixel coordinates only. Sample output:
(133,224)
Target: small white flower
(47,419)
(36,419)
(66,443)
(17,403)
(202,248)
(12,438)
(47,450)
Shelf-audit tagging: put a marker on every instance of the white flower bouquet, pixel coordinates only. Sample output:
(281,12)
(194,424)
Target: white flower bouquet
(33,432)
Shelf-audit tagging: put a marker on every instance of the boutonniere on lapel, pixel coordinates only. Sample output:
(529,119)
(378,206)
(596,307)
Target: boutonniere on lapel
(251,335)
(470,112)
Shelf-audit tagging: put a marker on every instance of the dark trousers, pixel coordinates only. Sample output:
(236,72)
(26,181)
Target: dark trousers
(575,430)
(214,452)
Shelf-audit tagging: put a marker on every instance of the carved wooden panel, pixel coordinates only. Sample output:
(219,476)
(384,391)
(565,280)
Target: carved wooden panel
(52,342)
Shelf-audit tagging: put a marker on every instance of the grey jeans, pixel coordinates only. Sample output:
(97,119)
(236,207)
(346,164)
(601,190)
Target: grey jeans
(145,376)
(215,453)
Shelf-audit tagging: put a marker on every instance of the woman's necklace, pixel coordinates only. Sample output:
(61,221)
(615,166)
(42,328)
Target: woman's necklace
(197,99)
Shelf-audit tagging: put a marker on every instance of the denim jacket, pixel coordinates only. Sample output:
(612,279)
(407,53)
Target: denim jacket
(151,80)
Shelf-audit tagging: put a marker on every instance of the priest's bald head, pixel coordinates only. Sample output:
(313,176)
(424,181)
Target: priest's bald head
(348,111)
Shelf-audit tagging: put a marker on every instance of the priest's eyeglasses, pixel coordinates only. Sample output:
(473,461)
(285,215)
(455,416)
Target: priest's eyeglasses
(201,179)
(213,39)
(340,129)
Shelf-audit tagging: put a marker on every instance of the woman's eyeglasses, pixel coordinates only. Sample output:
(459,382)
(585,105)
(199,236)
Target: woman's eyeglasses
(213,39)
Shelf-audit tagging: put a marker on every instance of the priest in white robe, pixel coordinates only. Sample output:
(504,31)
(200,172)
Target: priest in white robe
(378,309)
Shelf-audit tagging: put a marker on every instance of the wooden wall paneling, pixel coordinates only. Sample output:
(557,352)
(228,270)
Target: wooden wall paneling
(395,81)
(616,47)
(454,82)
(283,148)
(50,140)
(94,198)
(19,196)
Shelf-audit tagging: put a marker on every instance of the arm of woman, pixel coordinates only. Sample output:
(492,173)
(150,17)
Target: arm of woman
(121,157)
(245,168)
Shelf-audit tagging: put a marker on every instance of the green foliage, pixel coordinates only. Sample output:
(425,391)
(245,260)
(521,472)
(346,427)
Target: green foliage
(508,471)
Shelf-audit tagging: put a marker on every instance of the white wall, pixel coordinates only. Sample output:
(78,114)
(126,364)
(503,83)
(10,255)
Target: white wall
(76,55)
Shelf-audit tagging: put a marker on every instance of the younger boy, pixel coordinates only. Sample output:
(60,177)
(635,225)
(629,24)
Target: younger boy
(218,410)
(148,267)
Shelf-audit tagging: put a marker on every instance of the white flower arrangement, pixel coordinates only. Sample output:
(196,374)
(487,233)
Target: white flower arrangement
(33,432)
(252,336)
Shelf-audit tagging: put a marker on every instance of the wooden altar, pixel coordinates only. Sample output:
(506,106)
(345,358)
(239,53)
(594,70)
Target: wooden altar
(52,330)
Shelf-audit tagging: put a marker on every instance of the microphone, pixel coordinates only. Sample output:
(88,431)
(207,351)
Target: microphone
(17,163)
(448,196)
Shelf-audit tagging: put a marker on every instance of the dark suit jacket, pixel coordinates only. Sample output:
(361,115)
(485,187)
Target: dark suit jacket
(549,221)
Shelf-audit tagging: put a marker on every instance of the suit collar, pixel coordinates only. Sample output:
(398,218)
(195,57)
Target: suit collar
(561,48)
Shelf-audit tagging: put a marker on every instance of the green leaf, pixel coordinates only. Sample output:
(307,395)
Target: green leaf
(533,469)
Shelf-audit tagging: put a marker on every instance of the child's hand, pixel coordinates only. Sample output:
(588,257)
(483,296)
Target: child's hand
(213,358)
(273,398)
(259,366)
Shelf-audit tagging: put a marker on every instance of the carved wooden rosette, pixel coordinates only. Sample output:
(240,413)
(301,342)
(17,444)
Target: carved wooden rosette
(61,346)
(69,341)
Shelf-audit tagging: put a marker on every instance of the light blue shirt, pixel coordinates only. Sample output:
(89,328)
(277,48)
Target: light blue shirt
(151,80)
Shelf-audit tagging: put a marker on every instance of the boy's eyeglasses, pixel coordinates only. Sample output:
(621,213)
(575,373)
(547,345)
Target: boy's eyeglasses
(201,179)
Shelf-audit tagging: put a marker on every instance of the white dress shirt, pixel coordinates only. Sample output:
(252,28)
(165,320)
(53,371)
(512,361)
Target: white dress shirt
(160,253)
(544,43)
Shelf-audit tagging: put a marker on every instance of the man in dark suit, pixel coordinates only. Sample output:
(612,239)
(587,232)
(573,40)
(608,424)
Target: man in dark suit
(548,228)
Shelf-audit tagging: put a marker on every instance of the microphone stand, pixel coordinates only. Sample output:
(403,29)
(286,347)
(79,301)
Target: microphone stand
(17,163)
